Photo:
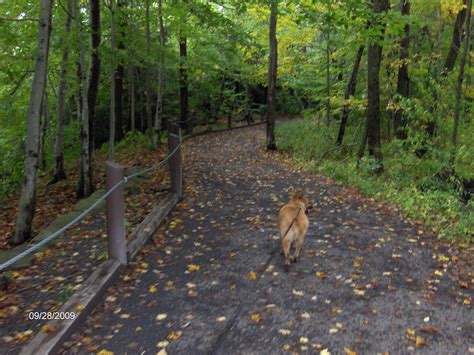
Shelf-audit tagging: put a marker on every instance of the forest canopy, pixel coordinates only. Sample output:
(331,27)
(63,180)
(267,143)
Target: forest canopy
(383,89)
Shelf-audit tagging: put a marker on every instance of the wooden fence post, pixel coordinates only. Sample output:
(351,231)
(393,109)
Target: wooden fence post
(175,165)
(117,243)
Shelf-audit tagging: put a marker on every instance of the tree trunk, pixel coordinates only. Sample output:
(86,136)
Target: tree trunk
(272,76)
(90,85)
(183,85)
(161,74)
(113,91)
(59,173)
(220,98)
(44,123)
(373,88)
(457,110)
(131,83)
(328,67)
(403,82)
(26,207)
(455,42)
(149,121)
(120,25)
(350,91)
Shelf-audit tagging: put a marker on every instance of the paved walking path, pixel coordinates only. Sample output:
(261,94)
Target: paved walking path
(212,280)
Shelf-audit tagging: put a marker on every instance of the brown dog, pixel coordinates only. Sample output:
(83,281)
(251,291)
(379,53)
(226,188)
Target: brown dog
(293,224)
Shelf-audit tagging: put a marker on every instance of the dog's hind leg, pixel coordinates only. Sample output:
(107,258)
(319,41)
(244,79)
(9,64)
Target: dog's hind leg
(285,246)
(298,246)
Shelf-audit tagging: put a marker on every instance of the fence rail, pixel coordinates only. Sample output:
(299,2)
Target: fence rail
(115,201)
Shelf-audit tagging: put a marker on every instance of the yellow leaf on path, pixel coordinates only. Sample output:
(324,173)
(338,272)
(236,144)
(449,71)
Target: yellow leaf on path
(252,275)
(152,288)
(138,329)
(174,335)
(256,317)
(419,341)
(221,319)
(411,331)
(193,267)
(105,352)
(162,352)
(48,328)
(161,316)
(284,331)
(79,308)
(286,347)
(349,351)
(324,352)
(304,340)
(438,273)
(86,340)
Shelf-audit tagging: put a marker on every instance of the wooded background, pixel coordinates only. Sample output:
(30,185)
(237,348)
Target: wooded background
(384,89)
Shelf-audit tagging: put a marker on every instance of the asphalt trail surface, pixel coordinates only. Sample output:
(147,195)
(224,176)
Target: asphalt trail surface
(212,280)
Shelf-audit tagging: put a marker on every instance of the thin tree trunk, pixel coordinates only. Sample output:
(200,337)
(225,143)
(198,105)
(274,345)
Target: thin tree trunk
(328,67)
(462,65)
(45,123)
(26,207)
(220,98)
(59,173)
(455,42)
(373,89)
(90,84)
(113,92)
(131,83)
(272,76)
(161,74)
(120,25)
(350,91)
(183,85)
(403,82)
(149,120)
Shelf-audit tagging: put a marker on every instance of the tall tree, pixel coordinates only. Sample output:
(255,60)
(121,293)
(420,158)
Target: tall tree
(26,207)
(120,26)
(457,110)
(350,91)
(59,173)
(89,87)
(456,41)
(149,121)
(272,76)
(161,74)
(113,91)
(183,83)
(403,82)
(374,59)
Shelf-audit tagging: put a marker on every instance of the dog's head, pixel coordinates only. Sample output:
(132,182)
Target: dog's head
(299,199)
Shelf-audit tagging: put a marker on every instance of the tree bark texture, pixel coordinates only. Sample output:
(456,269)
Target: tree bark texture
(350,91)
(59,172)
(149,120)
(462,65)
(161,74)
(183,85)
(272,76)
(455,42)
(26,207)
(403,82)
(373,88)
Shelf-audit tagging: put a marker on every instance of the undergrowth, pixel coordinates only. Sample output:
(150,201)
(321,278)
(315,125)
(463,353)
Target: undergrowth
(408,181)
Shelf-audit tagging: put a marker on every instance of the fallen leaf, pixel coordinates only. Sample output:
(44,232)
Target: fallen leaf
(193,267)
(304,340)
(349,351)
(221,319)
(152,288)
(105,352)
(252,275)
(284,331)
(256,317)
(419,341)
(48,328)
(161,316)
